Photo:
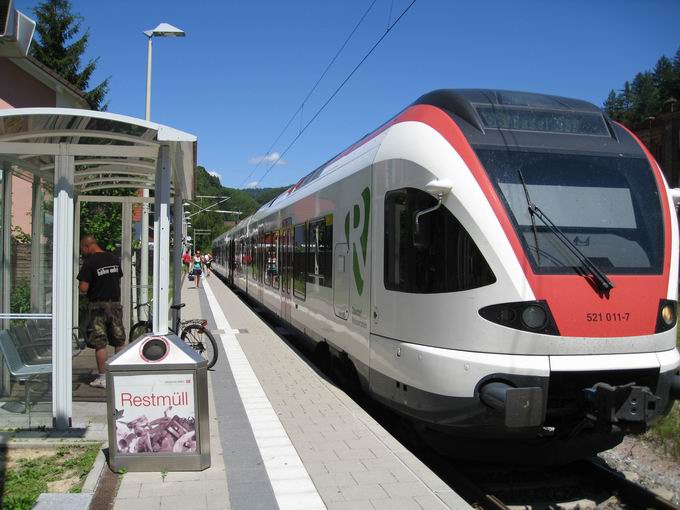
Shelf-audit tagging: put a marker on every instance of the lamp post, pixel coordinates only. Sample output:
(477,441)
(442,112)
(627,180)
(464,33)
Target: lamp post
(162,30)
(650,120)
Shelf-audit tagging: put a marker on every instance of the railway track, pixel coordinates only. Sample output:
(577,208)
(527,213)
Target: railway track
(584,485)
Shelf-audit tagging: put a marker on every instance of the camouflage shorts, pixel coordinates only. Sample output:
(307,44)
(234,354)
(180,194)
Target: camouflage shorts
(106,325)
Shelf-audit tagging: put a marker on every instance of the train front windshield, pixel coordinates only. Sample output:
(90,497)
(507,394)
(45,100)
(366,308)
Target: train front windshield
(608,207)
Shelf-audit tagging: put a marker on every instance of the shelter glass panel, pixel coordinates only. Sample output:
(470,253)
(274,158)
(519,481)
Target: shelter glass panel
(26,295)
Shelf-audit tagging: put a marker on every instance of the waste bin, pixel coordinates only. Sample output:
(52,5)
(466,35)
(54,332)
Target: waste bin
(158,406)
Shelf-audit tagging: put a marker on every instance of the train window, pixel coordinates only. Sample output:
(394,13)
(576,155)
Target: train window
(438,256)
(253,257)
(286,258)
(299,261)
(276,278)
(271,262)
(267,247)
(243,258)
(320,252)
(260,257)
(607,206)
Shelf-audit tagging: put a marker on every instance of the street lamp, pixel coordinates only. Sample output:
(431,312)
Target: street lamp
(162,30)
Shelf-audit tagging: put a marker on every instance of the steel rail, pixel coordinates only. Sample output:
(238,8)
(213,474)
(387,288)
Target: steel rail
(631,492)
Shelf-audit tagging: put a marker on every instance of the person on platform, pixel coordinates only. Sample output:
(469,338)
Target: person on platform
(99,279)
(186,261)
(207,260)
(197,268)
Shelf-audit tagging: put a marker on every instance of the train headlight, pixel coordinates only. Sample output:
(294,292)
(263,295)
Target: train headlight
(534,317)
(667,315)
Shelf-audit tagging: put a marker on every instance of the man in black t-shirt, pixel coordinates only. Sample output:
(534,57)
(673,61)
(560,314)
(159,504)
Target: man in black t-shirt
(99,278)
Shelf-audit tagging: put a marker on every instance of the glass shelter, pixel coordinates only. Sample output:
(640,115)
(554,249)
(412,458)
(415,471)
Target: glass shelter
(52,161)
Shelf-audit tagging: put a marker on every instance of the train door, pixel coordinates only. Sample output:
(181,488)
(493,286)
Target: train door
(261,257)
(231,257)
(250,260)
(385,303)
(341,281)
(286,245)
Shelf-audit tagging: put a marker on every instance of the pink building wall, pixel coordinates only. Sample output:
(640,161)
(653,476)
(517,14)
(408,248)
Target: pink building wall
(22,204)
(19,89)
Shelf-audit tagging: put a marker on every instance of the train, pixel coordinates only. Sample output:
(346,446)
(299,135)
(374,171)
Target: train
(499,268)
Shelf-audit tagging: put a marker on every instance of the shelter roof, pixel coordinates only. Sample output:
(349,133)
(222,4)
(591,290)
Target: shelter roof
(110,150)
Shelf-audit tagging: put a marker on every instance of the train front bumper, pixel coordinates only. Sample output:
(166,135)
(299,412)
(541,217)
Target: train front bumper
(500,394)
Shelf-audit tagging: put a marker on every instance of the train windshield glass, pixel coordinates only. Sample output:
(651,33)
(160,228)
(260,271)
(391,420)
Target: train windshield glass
(609,207)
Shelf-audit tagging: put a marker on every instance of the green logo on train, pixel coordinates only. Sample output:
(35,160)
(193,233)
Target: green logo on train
(359,222)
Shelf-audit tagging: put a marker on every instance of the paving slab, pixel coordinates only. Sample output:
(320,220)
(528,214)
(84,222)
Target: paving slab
(48,501)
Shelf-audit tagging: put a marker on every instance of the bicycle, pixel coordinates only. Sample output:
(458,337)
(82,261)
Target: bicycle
(194,333)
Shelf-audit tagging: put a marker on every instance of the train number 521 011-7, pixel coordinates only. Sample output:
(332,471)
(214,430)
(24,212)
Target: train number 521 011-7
(608,316)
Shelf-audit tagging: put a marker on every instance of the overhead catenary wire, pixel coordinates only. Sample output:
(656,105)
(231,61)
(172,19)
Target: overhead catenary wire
(300,108)
(349,76)
(389,16)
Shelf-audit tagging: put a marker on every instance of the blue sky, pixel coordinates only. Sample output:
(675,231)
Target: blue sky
(245,67)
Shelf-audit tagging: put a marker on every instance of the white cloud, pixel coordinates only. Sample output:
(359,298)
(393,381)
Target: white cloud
(251,185)
(215,174)
(269,158)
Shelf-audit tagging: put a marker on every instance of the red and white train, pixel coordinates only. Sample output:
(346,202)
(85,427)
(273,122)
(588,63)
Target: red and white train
(491,264)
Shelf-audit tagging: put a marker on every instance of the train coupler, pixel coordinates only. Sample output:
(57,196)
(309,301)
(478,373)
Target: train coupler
(626,403)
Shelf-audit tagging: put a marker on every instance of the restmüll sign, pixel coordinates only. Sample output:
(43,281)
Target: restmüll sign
(158,406)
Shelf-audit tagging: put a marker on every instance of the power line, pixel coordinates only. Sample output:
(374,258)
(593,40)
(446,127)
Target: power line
(387,31)
(300,108)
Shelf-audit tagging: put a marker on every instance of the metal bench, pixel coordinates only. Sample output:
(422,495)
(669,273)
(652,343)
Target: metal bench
(35,345)
(32,350)
(21,370)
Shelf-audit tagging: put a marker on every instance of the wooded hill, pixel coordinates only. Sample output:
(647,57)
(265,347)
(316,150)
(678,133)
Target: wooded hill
(247,201)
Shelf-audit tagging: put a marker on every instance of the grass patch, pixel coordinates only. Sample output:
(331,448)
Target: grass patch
(666,433)
(28,475)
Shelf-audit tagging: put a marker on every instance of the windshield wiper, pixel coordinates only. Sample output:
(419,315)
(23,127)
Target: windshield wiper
(604,283)
(531,214)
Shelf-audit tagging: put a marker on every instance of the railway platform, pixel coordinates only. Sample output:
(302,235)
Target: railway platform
(283,435)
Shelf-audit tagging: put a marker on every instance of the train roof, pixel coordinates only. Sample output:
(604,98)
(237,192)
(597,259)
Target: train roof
(451,98)
(508,119)
(526,120)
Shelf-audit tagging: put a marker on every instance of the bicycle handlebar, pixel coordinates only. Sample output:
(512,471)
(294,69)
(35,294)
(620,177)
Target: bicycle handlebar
(148,303)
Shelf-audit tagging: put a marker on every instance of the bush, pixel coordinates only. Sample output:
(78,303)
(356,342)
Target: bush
(20,298)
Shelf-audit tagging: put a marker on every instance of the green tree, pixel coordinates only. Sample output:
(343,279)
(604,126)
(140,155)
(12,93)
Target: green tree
(60,47)
(103,220)
(614,105)
(648,94)
(646,100)
(665,79)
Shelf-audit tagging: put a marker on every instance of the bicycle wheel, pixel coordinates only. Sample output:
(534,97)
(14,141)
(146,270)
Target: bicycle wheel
(139,329)
(201,340)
